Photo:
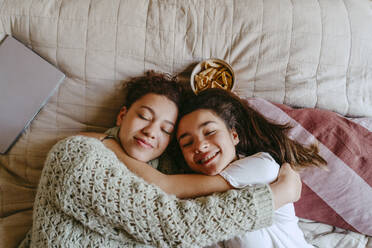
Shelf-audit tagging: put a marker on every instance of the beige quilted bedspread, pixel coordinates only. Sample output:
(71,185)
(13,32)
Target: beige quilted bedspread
(307,53)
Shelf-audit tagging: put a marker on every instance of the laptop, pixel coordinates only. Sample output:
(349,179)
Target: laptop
(27,81)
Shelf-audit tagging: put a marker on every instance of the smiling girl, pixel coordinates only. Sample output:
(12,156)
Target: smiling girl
(221,136)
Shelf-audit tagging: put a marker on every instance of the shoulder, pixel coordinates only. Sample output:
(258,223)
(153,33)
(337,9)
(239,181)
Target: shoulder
(258,160)
(264,156)
(79,139)
(77,144)
(74,150)
(255,169)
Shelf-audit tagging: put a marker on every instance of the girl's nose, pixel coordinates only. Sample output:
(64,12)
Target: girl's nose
(201,146)
(150,131)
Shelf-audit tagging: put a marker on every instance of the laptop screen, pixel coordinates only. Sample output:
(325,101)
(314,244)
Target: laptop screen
(26,83)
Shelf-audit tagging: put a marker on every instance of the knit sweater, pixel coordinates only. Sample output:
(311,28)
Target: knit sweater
(88,198)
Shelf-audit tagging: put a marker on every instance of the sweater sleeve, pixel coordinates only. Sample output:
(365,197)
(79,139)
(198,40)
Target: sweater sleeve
(87,181)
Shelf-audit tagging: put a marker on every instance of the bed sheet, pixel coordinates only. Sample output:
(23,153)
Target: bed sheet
(325,236)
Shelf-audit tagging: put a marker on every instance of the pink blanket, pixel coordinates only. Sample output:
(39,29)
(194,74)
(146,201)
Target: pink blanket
(341,196)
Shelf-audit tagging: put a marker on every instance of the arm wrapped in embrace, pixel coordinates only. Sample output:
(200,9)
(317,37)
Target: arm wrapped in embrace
(87,196)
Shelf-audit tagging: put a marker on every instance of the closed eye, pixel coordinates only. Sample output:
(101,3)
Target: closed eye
(143,117)
(166,131)
(210,132)
(186,144)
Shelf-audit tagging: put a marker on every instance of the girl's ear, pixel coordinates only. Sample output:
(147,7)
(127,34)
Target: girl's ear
(120,117)
(235,137)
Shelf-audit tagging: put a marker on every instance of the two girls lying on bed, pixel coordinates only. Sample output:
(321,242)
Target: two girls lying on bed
(235,146)
(86,197)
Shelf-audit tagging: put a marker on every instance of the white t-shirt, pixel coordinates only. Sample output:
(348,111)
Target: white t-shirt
(261,168)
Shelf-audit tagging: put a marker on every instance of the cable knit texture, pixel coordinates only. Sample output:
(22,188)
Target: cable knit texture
(88,198)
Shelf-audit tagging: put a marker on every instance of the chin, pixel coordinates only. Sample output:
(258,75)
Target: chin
(138,156)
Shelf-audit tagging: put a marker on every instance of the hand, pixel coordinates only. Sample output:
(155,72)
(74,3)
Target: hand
(292,180)
(287,188)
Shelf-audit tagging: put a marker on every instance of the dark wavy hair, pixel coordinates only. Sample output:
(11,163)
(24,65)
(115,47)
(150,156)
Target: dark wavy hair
(153,82)
(256,133)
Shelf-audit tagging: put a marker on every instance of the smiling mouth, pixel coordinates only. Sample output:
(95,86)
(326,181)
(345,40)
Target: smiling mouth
(143,143)
(206,160)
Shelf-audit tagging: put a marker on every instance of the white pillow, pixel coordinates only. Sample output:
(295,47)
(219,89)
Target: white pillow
(305,53)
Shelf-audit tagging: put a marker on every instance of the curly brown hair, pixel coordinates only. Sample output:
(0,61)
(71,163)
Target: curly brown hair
(153,82)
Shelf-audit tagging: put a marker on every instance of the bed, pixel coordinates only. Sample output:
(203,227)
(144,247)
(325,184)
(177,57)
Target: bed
(295,55)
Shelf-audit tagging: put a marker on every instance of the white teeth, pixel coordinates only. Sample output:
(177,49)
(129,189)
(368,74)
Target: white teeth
(208,157)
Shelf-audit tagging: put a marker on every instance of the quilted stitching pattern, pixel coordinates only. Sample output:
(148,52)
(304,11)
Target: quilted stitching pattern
(306,53)
(303,53)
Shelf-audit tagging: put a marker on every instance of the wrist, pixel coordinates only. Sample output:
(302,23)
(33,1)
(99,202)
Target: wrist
(278,196)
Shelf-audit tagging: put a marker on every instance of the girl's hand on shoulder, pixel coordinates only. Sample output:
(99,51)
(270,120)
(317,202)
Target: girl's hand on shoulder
(287,188)
(292,180)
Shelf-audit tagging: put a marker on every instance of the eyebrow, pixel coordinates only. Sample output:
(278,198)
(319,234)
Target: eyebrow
(153,113)
(200,126)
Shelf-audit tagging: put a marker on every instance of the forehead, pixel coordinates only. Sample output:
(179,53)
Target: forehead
(160,105)
(193,120)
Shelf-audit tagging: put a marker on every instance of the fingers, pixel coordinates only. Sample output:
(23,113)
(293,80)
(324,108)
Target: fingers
(285,169)
(292,181)
(286,165)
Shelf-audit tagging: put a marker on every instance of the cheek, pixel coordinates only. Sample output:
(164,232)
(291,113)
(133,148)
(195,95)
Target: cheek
(137,124)
(164,141)
(129,126)
(187,155)
(230,153)
(123,134)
